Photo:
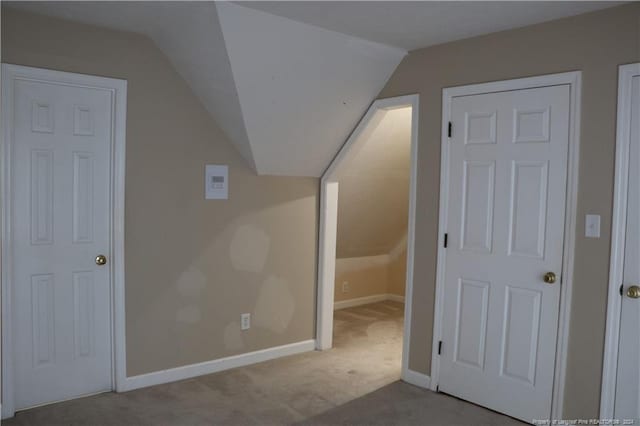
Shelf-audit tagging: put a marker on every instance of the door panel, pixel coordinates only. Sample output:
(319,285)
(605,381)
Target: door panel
(521,324)
(477,206)
(507,189)
(627,405)
(473,300)
(61,151)
(528,211)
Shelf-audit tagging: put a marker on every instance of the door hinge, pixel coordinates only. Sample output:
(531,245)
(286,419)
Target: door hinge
(450,129)
(446,240)
(439,347)
(621,289)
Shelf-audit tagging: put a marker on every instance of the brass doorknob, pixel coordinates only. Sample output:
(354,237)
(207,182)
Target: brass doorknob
(633,292)
(549,278)
(101,259)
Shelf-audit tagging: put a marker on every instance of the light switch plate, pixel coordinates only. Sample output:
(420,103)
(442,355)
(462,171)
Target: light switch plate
(245,321)
(592,226)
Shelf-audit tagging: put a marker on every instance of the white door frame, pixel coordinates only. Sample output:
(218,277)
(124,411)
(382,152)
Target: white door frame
(118,89)
(618,232)
(573,79)
(329,215)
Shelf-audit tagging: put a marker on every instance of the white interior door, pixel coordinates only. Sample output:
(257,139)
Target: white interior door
(60,219)
(627,398)
(506,212)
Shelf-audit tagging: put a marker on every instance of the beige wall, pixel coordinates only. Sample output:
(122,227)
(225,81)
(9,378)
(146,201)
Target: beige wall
(373,201)
(373,195)
(398,274)
(594,43)
(367,276)
(192,266)
(371,275)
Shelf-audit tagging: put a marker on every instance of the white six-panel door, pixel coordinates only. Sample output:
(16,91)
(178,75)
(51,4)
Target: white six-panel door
(506,213)
(61,299)
(627,396)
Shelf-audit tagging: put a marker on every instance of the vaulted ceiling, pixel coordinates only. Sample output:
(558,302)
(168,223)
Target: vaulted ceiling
(377,175)
(288,81)
(415,24)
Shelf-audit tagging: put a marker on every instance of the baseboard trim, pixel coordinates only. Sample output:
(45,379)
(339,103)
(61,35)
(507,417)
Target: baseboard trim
(208,367)
(358,301)
(416,379)
(395,298)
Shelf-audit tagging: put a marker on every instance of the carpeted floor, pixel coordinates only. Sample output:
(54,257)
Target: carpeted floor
(356,383)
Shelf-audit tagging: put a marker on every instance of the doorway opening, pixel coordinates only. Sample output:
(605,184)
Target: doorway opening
(366,234)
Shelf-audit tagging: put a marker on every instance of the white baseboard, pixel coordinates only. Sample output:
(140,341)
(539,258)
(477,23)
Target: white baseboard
(208,367)
(395,298)
(416,379)
(359,301)
(349,303)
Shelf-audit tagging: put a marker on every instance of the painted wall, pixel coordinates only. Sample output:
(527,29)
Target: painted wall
(373,196)
(367,276)
(373,205)
(398,273)
(371,275)
(595,43)
(192,266)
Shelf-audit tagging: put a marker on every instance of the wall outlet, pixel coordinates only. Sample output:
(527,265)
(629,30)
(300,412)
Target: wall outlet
(345,286)
(245,321)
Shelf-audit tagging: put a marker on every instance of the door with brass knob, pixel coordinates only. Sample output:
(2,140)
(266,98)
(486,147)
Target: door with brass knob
(622,378)
(506,198)
(549,278)
(633,292)
(61,219)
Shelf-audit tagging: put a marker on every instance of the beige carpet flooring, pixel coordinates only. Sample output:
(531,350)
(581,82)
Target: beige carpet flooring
(355,383)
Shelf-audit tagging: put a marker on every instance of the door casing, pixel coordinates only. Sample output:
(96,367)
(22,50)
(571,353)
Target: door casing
(573,79)
(328,226)
(118,88)
(626,73)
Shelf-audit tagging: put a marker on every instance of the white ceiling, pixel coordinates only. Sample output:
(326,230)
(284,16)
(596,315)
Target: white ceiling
(188,33)
(288,81)
(414,24)
(302,88)
(287,94)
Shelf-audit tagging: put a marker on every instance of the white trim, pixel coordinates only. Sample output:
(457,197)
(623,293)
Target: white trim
(328,214)
(118,88)
(359,301)
(365,300)
(209,367)
(618,231)
(573,79)
(416,379)
(395,297)
(326,263)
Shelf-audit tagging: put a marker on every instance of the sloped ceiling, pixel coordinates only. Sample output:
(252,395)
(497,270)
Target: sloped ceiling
(188,33)
(415,24)
(288,83)
(302,88)
(373,194)
(287,94)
